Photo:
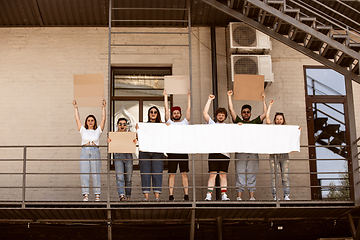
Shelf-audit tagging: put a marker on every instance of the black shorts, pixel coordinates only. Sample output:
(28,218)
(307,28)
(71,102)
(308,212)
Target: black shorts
(217,166)
(183,165)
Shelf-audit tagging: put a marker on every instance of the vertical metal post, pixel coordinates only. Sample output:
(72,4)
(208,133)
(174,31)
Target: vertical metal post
(351,129)
(109,106)
(214,66)
(24,179)
(219,228)
(191,94)
(215,93)
(109,225)
(192,225)
(276,163)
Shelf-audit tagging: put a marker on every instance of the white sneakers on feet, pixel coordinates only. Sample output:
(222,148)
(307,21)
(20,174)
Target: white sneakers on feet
(287,198)
(224,197)
(97,197)
(252,199)
(238,199)
(85,197)
(208,197)
(274,198)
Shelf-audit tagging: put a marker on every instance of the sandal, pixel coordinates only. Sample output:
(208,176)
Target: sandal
(122,198)
(145,200)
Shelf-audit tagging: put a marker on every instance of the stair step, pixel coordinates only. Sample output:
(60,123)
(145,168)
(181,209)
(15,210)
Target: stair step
(345,60)
(332,128)
(324,29)
(314,44)
(355,46)
(309,21)
(277,4)
(355,69)
(341,38)
(319,123)
(294,13)
(329,52)
(283,27)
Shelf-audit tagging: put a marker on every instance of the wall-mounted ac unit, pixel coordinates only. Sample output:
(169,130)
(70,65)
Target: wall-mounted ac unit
(246,39)
(252,64)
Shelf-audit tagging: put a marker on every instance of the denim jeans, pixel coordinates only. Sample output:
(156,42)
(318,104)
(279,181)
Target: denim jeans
(149,166)
(87,167)
(123,166)
(246,171)
(283,168)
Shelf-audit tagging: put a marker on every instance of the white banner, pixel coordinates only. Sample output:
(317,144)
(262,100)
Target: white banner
(218,138)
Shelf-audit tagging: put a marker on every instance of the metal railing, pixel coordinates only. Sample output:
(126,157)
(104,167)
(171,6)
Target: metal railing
(34,181)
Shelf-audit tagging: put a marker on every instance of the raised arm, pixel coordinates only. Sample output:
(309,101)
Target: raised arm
(207,107)
(263,115)
(268,120)
(103,115)
(166,105)
(231,107)
(77,115)
(188,110)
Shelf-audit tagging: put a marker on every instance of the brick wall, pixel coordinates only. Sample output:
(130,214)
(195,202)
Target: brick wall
(36,75)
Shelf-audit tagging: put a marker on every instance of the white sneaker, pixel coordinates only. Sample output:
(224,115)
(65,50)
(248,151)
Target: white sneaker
(238,199)
(97,197)
(274,198)
(224,197)
(208,197)
(252,199)
(287,198)
(86,197)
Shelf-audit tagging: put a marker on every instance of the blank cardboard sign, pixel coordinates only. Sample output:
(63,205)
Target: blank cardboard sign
(177,84)
(122,142)
(89,89)
(248,87)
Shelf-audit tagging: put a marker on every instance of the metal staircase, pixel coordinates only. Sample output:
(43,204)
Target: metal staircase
(299,26)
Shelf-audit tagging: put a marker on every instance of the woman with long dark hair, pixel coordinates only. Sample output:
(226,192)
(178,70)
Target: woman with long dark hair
(90,136)
(151,169)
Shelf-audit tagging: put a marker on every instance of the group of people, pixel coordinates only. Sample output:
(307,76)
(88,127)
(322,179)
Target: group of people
(151,163)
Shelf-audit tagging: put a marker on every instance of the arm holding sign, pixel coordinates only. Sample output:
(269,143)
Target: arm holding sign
(268,121)
(263,115)
(231,107)
(207,107)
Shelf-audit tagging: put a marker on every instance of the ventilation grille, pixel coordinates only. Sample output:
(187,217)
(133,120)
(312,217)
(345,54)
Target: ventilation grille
(244,36)
(246,65)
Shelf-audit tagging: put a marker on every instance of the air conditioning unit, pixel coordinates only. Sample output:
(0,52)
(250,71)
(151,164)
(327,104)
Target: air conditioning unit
(245,39)
(252,64)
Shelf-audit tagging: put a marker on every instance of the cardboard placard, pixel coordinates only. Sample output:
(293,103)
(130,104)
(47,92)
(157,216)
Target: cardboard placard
(248,87)
(122,142)
(89,89)
(177,84)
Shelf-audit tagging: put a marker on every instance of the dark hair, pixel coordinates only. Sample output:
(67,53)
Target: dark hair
(280,114)
(95,125)
(221,110)
(122,119)
(158,117)
(246,106)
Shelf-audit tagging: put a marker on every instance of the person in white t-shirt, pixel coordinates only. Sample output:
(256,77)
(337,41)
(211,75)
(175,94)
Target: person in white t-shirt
(217,166)
(176,158)
(90,136)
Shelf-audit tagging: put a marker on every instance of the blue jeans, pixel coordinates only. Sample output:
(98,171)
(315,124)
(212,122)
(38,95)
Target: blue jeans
(87,167)
(121,167)
(283,168)
(148,166)
(250,167)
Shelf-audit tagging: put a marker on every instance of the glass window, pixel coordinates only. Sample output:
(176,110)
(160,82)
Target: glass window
(322,81)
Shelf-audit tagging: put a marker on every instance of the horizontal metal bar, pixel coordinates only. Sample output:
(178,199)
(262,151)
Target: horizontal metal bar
(149,32)
(170,9)
(166,20)
(149,45)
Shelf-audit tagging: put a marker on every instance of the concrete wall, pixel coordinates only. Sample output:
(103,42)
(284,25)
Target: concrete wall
(36,75)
